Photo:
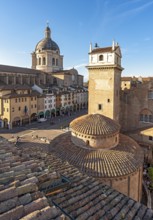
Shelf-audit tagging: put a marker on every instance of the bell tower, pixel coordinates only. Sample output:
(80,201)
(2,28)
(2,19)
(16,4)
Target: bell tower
(104,80)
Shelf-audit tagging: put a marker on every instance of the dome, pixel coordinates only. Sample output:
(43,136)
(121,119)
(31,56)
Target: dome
(95,125)
(47,43)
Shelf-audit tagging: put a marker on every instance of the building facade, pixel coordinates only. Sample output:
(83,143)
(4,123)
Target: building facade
(18,106)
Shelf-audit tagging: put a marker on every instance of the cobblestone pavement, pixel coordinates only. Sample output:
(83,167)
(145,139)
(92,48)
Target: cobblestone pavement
(44,129)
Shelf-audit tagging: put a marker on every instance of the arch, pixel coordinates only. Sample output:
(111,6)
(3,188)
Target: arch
(146,116)
(41,115)
(47,114)
(44,61)
(53,112)
(25,120)
(16,122)
(5,121)
(33,117)
(101,57)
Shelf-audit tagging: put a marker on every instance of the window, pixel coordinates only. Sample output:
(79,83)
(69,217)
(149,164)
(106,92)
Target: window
(12,109)
(39,61)
(16,100)
(44,61)
(108,100)
(31,98)
(31,106)
(53,61)
(19,108)
(150,94)
(101,58)
(146,116)
(99,106)
(150,138)
(25,99)
(22,99)
(56,62)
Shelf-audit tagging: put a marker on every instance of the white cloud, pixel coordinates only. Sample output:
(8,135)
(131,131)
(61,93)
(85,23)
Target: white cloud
(147,39)
(136,9)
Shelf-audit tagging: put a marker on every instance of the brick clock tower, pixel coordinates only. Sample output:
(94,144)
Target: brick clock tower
(104,81)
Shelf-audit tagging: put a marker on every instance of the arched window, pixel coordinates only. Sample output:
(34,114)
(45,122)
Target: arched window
(53,61)
(146,116)
(39,61)
(101,58)
(87,142)
(56,62)
(44,61)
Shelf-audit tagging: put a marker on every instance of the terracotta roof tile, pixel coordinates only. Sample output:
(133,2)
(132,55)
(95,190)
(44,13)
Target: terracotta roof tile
(94,125)
(84,198)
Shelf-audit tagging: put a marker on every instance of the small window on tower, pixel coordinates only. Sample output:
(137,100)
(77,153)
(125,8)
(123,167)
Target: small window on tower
(101,58)
(100,106)
(108,100)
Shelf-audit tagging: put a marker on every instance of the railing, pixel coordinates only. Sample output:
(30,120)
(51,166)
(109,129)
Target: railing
(56,186)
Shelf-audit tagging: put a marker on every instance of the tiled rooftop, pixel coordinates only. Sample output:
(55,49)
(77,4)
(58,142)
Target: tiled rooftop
(27,170)
(96,163)
(95,125)
(102,50)
(16,69)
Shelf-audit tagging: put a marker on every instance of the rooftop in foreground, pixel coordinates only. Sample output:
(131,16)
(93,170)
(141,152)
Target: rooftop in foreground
(27,171)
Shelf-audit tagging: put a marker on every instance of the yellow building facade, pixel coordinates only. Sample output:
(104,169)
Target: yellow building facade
(18,106)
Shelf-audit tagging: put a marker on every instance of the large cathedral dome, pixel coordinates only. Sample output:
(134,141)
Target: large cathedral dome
(47,43)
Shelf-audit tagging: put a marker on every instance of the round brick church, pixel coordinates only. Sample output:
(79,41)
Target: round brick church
(97,149)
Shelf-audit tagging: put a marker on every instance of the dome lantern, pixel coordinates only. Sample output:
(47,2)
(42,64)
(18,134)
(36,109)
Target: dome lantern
(47,32)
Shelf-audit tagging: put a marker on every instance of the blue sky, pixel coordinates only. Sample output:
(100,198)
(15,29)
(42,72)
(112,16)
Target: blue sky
(76,23)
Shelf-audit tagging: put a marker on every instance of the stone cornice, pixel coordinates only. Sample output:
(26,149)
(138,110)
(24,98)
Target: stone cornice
(105,67)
